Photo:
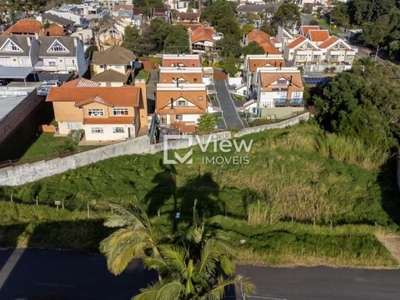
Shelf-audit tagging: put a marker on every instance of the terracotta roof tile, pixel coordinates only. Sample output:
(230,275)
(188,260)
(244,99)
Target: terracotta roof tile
(112,120)
(31,26)
(203,34)
(187,62)
(182,110)
(305,29)
(318,35)
(268,78)
(259,63)
(80,82)
(296,42)
(264,40)
(190,26)
(96,99)
(329,42)
(117,7)
(137,10)
(163,98)
(190,77)
(115,55)
(116,96)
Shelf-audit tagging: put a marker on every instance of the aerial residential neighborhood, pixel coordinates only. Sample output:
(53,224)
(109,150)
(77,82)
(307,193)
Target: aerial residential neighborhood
(185,150)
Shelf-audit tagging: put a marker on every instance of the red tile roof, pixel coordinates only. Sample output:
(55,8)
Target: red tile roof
(264,40)
(203,34)
(117,7)
(113,96)
(31,26)
(329,42)
(296,42)
(318,35)
(305,29)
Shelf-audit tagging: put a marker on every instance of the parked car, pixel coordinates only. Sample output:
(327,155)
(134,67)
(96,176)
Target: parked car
(43,91)
(51,83)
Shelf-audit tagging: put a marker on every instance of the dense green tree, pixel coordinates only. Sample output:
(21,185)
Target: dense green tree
(247,28)
(131,36)
(177,40)
(288,16)
(230,66)
(308,8)
(206,123)
(253,48)
(230,44)
(90,49)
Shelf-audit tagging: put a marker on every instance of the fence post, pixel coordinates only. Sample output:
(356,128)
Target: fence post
(37,200)
(11,198)
(62,203)
(88,210)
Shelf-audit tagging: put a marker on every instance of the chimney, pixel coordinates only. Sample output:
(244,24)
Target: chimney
(290,80)
(267,53)
(177,82)
(28,39)
(275,63)
(280,66)
(172,103)
(75,42)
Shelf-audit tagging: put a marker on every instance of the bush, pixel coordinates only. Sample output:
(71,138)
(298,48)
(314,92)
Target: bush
(76,135)
(262,121)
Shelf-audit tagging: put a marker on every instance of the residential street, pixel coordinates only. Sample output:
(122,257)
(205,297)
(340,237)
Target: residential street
(80,276)
(230,114)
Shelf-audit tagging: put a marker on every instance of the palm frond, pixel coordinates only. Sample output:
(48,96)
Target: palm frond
(227,265)
(176,257)
(123,217)
(239,283)
(208,259)
(164,290)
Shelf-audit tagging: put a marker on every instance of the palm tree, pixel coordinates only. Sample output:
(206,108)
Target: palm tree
(200,267)
(135,239)
(187,277)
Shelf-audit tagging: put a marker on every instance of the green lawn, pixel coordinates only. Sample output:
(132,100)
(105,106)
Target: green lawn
(325,25)
(47,146)
(303,198)
(143,74)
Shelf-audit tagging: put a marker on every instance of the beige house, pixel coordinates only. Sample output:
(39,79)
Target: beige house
(104,113)
(180,106)
(112,67)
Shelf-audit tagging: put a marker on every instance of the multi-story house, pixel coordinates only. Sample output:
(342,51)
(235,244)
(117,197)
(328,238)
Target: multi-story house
(279,87)
(104,113)
(19,51)
(187,17)
(181,75)
(161,13)
(67,25)
(204,39)
(263,39)
(61,55)
(113,67)
(180,105)
(181,60)
(251,64)
(35,28)
(314,46)
(69,12)
(123,11)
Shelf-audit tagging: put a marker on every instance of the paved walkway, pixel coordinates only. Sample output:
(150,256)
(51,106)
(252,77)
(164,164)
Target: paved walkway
(151,88)
(229,112)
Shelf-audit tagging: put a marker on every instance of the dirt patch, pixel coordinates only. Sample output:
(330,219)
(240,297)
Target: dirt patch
(392,243)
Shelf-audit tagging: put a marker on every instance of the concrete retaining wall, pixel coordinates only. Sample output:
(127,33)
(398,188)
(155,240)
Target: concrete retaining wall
(17,175)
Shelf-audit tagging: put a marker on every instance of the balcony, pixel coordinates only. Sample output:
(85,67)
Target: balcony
(281,102)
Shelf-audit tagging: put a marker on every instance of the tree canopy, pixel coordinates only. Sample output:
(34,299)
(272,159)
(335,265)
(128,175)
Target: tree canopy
(363,103)
(253,48)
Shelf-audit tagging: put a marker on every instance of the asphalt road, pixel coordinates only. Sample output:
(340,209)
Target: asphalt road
(76,275)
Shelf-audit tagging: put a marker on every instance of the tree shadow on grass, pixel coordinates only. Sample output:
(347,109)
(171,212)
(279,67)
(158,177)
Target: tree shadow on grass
(388,182)
(200,192)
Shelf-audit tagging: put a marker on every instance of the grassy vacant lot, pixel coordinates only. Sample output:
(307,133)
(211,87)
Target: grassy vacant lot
(47,146)
(304,198)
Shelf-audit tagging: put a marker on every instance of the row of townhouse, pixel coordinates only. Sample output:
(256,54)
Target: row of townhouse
(181,94)
(270,84)
(312,45)
(24,54)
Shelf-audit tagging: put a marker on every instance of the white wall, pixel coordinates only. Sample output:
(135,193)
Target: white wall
(235,81)
(207,80)
(266,99)
(21,174)
(108,134)
(190,118)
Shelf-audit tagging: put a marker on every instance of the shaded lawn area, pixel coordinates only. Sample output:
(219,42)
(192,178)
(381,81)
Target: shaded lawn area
(325,25)
(48,146)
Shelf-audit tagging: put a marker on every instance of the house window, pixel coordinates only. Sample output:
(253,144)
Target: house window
(301,57)
(296,95)
(95,112)
(73,125)
(11,47)
(334,56)
(181,103)
(200,98)
(57,47)
(120,111)
(118,129)
(97,130)
(70,63)
(51,63)
(178,118)
(281,81)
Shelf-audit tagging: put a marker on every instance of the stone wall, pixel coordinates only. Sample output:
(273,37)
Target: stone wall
(21,174)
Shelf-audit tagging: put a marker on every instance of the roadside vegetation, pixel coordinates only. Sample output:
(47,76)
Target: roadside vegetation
(306,197)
